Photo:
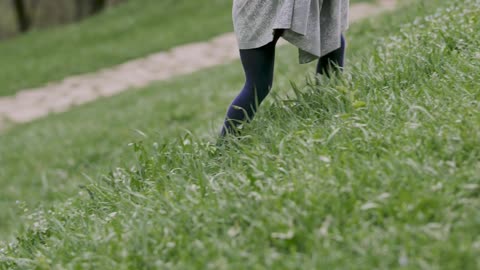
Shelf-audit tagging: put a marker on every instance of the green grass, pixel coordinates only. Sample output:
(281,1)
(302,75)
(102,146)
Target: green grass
(46,160)
(377,170)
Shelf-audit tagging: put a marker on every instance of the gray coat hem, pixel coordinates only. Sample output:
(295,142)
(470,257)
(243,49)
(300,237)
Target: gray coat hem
(304,56)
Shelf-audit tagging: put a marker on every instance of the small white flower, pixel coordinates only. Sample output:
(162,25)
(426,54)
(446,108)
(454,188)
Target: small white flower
(283,236)
(384,196)
(233,231)
(403,260)
(325,159)
(369,205)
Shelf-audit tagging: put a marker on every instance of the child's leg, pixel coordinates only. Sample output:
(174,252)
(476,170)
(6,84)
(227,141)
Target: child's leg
(258,65)
(333,61)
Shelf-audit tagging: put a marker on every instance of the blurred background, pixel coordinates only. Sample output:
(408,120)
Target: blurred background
(18,16)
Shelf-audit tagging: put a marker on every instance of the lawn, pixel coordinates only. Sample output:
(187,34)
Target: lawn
(46,160)
(375,170)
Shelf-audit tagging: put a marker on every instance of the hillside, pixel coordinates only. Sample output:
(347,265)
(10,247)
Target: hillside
(377,169)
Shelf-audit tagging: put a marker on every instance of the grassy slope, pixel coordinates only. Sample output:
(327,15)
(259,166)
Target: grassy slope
(378,171)
(45,160)
(129,31)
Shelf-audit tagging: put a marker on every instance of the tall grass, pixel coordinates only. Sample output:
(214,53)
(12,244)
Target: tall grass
(375,170)
(44,161)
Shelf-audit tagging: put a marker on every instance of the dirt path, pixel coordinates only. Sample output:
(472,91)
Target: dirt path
(30,104)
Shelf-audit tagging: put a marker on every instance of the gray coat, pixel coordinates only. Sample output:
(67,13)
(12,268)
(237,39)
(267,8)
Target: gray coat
(314,26)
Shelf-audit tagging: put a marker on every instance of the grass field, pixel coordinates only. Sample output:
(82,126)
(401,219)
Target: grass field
(375,170)
(46,160)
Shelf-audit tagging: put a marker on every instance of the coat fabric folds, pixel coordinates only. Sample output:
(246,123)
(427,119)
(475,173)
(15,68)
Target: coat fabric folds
(314,26)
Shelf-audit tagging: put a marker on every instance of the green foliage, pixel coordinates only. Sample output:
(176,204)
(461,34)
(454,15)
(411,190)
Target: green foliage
(378,169)
(45,161)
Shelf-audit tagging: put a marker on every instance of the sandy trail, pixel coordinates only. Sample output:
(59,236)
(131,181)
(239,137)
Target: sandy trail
(30,104)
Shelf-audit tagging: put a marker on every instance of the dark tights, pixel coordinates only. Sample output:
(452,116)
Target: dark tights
(258,65)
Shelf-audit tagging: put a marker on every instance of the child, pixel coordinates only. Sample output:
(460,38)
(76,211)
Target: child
(314,26)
